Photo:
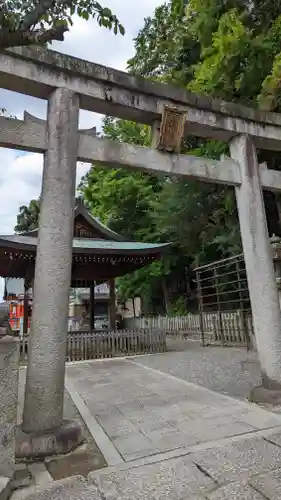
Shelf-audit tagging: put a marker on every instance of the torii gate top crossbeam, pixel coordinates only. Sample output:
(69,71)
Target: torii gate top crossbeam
(37,72)
(30,134)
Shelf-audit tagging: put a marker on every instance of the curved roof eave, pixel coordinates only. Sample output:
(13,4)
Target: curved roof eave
(86,245)
(97,224)
(93,221)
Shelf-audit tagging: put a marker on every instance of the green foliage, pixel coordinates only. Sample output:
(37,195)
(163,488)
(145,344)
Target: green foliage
(178,307)
(123,201)
(138,283)
(120,198)
(145,207)
(164,47)
(270,96)
(235,64)
(194,216)
(127,131)
(214,75)
(28,217)
(228,49)
(157,43)
(205,15)
(42,21)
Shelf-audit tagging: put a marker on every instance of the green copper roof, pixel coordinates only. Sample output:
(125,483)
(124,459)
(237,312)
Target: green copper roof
(113,245)
(85,245)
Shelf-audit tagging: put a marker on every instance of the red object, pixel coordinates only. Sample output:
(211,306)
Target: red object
(16,314)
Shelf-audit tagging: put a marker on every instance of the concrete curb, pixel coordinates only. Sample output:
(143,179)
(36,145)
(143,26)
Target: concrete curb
(110,453)
(116,358)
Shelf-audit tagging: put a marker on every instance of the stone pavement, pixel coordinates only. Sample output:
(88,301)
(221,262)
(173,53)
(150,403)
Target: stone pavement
(144,411)
(231,370)
(166,438)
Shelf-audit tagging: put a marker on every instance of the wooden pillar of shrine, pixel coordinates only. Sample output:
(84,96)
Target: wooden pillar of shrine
(92,307)
(25,306)
(112,305)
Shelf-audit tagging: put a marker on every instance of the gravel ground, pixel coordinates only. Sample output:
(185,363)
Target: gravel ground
(230,370)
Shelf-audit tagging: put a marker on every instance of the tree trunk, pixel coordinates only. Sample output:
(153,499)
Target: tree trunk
(166,297)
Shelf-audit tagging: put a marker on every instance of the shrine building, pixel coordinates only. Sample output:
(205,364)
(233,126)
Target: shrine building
(99,255)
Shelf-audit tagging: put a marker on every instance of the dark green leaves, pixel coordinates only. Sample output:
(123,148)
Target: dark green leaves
(28,217)
(41,21)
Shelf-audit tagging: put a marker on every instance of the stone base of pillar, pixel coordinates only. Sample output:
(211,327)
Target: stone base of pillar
(57,442)
(264,395)
(5,487)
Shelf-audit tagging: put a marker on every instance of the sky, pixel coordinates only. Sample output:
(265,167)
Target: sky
(21,173)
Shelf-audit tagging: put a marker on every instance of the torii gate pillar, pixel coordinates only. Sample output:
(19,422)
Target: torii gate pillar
(259,266)
(44,431)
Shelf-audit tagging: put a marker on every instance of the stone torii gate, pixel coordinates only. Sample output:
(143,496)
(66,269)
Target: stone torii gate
(68,84)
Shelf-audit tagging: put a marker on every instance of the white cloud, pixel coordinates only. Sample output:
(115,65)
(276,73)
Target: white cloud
(22,183)
(21,173)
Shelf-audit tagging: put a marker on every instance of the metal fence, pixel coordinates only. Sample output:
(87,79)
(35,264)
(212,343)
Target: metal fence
(106,344)
(222,287)
(224,312)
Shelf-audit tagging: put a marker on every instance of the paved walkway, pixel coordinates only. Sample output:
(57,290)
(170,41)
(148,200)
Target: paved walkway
(230,370)
(166,438)
(144,411)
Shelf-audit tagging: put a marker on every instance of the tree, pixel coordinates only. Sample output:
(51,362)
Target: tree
(242,63)
(164,47)
(228,49)
(237,61)
(120,198)
(123,201)
(37,22)
(128,201)
(28,217)
(146,207)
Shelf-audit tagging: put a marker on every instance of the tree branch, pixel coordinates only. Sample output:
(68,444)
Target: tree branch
(36,37)
(33,17)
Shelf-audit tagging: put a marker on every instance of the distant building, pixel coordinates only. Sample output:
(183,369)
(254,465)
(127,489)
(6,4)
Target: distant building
(79,303)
